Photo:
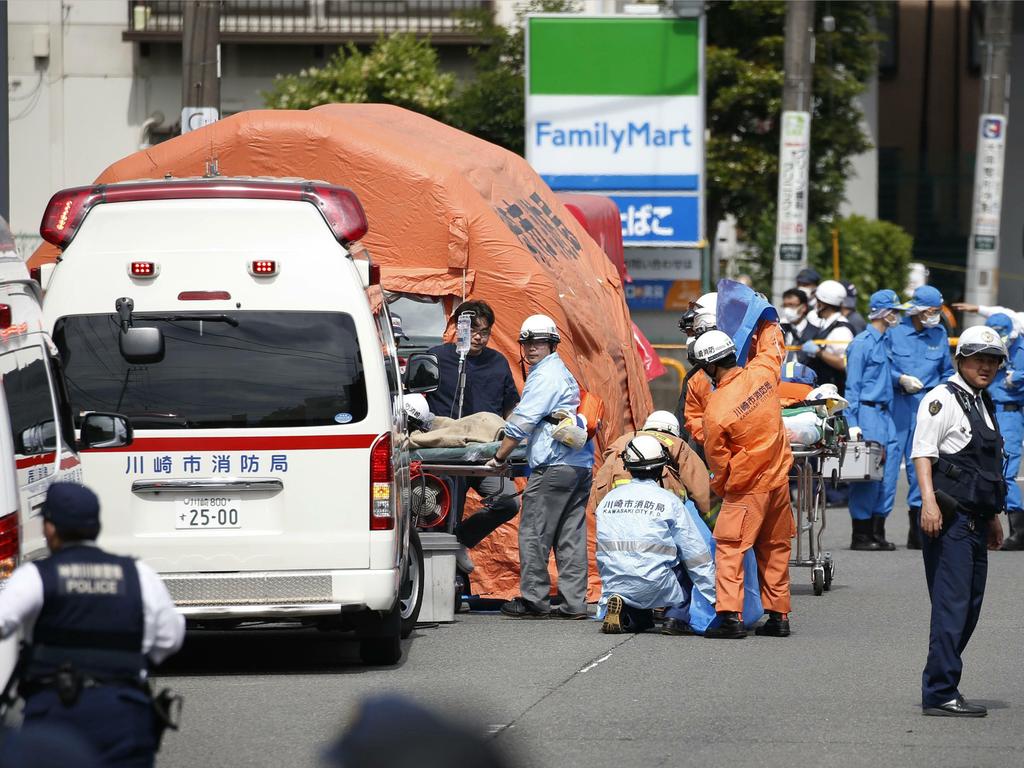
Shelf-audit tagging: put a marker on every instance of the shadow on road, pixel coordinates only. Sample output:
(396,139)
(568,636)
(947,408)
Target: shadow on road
(270,652)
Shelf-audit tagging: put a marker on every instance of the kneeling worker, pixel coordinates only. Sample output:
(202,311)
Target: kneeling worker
(649,551)
(685,474)
(749,457)
(93,623)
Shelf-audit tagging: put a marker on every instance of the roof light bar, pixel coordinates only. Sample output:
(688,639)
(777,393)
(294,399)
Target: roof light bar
(339,206)
(143,270)
(263,267)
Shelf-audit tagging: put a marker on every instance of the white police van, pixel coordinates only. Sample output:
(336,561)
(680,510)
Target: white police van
(268,480)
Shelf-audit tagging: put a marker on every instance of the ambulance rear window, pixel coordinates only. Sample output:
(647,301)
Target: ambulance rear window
(244,369)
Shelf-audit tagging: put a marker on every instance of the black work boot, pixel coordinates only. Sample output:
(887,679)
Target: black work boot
(878,532)
(776,626)
(864,537)
(730,627)
(914,534)
(1015,541)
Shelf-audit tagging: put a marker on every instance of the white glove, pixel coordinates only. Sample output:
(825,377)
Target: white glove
(495,464)
(911,384)
(856,433)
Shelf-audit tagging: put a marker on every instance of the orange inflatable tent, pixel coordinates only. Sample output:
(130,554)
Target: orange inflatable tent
(450,215)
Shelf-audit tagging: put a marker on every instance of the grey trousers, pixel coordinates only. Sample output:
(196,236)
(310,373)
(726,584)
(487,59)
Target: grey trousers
(555,515)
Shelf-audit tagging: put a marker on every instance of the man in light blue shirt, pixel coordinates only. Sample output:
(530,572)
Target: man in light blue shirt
(561,460)
(869,388)
(649,551)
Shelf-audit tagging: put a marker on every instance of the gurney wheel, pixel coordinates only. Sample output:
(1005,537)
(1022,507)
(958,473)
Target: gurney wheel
(818,580)
(830,571)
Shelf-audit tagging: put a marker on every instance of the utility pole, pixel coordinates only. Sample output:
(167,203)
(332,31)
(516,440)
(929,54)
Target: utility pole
(200,64)
(794,148)
(983,247)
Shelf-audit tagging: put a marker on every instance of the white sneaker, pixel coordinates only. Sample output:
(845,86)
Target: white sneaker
(464,561)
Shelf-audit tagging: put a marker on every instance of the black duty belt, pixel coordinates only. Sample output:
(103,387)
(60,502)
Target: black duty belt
(1008,407)
(872,404)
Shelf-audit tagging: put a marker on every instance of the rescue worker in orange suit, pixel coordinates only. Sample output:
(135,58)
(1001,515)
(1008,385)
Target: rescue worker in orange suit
(684,474)
(749,457)
(699,319)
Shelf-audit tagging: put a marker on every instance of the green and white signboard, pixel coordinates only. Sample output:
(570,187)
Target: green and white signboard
(616,103)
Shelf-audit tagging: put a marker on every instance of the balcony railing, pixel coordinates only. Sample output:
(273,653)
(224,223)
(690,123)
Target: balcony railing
(313,21)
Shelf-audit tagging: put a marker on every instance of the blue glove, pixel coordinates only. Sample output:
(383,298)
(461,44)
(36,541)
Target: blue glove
(810,348)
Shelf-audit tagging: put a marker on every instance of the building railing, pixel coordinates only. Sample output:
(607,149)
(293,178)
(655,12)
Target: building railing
(298,21)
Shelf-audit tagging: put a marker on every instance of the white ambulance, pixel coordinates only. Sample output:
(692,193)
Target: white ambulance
(268,479)
(37,444)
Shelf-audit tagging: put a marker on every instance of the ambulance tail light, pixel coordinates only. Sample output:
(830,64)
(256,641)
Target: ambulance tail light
(10,542)
(339,206)
(382,510)
(5,316)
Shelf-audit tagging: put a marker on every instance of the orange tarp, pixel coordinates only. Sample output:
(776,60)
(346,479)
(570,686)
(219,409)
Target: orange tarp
(448,213)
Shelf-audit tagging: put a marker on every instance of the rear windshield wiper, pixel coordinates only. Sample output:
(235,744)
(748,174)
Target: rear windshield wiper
(190,318)
(159,420)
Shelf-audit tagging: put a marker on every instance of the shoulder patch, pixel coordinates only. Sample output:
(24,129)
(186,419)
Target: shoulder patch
(934,407)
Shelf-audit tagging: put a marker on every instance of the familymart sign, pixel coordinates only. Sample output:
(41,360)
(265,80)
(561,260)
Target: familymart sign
(615,103)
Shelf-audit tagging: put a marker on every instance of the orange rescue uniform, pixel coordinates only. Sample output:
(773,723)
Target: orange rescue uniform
(685,473)
(749,457)
(698,390)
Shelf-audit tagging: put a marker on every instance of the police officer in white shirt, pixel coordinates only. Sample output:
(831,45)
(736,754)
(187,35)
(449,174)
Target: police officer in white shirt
(93,623)
(958,455)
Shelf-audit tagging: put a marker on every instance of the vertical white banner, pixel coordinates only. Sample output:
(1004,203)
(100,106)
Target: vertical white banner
(983,247)
(794,172)
(794,158)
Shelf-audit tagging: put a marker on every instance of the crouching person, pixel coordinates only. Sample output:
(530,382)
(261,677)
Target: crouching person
(649,551)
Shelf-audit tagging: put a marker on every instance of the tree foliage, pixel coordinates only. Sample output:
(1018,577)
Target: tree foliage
(399,69)
(746,40)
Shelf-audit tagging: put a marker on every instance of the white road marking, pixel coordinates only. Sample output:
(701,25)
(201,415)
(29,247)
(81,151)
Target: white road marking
(594,664)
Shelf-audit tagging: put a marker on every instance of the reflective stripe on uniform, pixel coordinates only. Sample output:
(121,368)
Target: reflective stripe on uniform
(621,481)
(698,560)
(635,546)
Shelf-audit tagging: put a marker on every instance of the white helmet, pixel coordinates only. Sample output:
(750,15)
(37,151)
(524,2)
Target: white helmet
(539,328)
(712,347)
(831,292)
(662,421)
(980,340)
(645,454)
(417,412)
(705,313)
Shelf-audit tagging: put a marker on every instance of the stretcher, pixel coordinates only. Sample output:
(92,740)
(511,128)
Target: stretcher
(818,434)
(809,508)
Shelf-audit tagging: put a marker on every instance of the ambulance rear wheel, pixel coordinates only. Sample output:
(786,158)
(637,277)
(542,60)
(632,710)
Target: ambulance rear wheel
(380,651)
(411,598)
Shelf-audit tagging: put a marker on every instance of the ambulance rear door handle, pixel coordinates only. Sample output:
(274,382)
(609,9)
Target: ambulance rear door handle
(213,484)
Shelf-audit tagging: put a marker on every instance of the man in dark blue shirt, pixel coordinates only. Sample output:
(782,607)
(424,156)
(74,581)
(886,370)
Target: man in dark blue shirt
(489,383)
(489,388)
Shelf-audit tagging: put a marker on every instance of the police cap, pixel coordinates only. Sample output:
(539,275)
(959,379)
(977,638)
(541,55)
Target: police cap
(70,505)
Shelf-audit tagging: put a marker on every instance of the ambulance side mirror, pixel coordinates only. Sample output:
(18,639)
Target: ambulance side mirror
(105,430)
(421,373)
(141,346)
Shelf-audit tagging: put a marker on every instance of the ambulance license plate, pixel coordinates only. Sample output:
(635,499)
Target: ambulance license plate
(208,512)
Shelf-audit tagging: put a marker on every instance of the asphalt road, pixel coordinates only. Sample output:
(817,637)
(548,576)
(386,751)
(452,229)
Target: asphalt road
(843,690)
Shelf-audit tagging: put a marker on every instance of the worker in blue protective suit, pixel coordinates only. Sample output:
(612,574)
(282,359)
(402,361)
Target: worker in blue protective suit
(1007,391)
(650,553)
(920,362)
(869,390)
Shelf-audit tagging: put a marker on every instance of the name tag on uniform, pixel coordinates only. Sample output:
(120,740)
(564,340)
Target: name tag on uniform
(90,579)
